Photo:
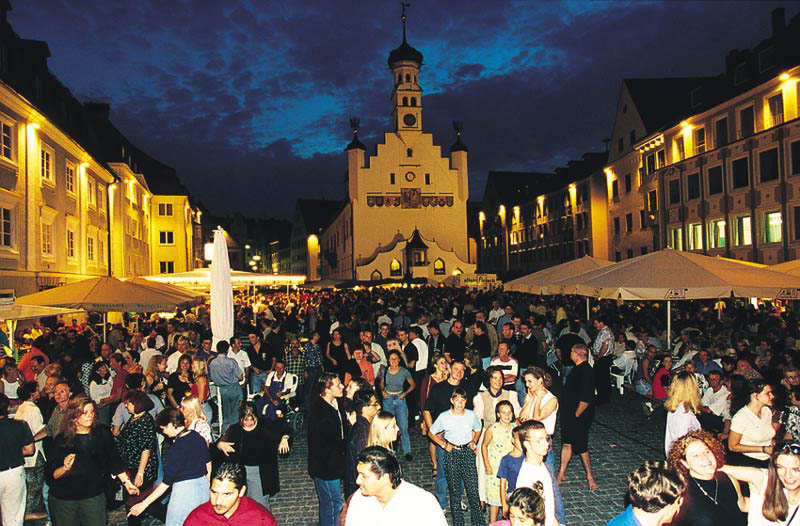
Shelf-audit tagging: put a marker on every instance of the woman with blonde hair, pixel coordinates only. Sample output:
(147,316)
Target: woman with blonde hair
(155,376)
(194,417)
(683,403)
(383,431)
(200,386)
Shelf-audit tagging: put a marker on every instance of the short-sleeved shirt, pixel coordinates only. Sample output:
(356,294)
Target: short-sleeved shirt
(626,518)
(755,430)
(136,437)
(394,382)
(224,371)
(180,389)
(14,435)
(242,359)
(457,429)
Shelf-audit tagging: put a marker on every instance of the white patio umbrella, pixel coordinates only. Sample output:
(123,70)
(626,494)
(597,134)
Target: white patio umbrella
(221,290)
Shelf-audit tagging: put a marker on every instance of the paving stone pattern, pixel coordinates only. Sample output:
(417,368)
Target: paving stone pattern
(621,439)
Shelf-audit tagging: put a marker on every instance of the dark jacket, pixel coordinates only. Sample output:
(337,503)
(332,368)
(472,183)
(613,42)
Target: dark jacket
(356,441)
(268,436)
(326,432)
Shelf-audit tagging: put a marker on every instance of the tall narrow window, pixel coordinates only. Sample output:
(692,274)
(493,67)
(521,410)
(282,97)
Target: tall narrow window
(739,169)
(6,149)
(616,226)
(629,223)
(680,149)
(776,109)
(772,227)
(47,239)
(716,234)
(69,178)
(46,166)
(676,236)
(715,180)
(409,152)
(628,183)
(693,186)
(405,101)
(742,235)
(699,140)
(675,191)
(413,101)
(70,244)
(615,190)
(427,178)
(721,133)
(391,178)
(768,165)
(695,236)
(747,122)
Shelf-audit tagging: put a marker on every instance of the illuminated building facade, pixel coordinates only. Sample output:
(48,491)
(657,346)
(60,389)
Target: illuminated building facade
(711,165)
(530,221)
(75,198)
(406,210)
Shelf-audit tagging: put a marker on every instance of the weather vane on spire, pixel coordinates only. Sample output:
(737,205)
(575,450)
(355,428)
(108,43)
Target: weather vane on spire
(403,17)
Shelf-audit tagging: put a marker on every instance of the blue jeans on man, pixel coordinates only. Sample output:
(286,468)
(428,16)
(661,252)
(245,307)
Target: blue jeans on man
(231,397)
(522,391)
(257,381)
(329,493)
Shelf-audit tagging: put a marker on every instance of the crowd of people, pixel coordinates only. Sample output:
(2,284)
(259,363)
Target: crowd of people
(162,419)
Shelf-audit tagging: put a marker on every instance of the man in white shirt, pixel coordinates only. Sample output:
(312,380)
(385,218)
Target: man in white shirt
(715,411)
(384,499)
(240,356)
(495,313)
(174,358)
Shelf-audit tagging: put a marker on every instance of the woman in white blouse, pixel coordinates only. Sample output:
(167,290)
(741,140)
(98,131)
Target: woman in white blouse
(752,430)
(683,403)
(100,384)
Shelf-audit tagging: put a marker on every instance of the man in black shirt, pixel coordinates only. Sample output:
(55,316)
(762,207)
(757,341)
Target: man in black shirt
(577,413)
(437,403)
(16,441)
(564,346)
(454,346)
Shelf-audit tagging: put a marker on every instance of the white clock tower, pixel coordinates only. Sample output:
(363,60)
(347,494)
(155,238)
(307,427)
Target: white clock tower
(405,63)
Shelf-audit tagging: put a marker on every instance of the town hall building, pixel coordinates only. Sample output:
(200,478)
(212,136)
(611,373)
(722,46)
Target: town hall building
(405,216)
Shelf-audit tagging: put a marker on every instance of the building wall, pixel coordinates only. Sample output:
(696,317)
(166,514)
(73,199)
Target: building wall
(173,216)
(131,223)
(50,235)
(700,203)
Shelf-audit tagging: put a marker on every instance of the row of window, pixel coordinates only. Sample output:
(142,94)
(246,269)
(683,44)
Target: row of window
(396,268)
(741,232)
(409,176)
(95,248)
(739,178)
(96,192)
(629,253)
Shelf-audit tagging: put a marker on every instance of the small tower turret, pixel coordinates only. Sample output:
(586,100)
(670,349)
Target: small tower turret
(458,161)
(355,159)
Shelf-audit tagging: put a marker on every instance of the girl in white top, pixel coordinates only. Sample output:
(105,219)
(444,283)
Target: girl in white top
(774,492)
(540,404)
(100,383)
(683,403)
(752,431)
(195,418)
(536,444)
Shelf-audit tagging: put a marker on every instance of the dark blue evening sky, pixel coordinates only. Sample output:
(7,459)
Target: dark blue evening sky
(250,99)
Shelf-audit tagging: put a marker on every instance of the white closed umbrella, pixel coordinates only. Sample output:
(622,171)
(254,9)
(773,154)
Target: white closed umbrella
(221,290)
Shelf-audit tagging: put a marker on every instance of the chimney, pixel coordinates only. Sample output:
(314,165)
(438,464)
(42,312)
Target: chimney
(778,21)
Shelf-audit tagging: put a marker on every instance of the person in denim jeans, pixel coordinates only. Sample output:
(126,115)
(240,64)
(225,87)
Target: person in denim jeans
(328,427)
(394,398)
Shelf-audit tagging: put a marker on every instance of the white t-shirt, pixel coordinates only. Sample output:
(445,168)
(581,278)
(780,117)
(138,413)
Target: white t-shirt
(422,350)
(550,421)
(147,355)
(529,474)
(243,360)
(510,366)
(755,430)
(409,505)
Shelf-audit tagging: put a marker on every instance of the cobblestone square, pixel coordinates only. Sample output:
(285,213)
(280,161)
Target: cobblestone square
(621,438)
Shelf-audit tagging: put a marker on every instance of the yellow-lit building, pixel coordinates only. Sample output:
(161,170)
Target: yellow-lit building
(171,236)
(406,209)
(73,201)
(717,172)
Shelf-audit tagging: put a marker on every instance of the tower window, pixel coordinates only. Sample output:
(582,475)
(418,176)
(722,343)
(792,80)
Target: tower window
(408,77)
(405,101)
(391,178)
(409,153)
(413,101)
(399,78)
(427,178)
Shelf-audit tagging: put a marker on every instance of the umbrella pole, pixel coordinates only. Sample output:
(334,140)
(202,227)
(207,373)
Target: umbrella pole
(669,326)
(588,310)
(105,324)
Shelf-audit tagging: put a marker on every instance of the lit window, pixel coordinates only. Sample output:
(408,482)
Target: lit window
(90,248)
(742,235)
(676,235)
(46,165)
(438,267)
(166,237)
(101,197)
(680,149)
(395,268)
(699,140)
(776,109)
(772,227)
(47,239)
(69,177)
(716,234)
(6,227)
(166,267)
(91,192)
(101,250)
(6,141)
(165,209)
(695,236)
(70,244)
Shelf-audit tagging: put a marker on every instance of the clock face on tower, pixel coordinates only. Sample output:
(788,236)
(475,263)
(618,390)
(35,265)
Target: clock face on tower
(410,177)
(409,119)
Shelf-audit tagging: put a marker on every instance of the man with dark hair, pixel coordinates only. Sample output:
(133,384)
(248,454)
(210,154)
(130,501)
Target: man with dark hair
(603,352)
(655,492)
(366,406)
(385,498)
(16,441)
(227,504)
(118,389)
(226,374)
(454,345)
(133,382)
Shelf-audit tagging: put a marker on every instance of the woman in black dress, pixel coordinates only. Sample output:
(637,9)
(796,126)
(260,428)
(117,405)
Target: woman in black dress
(337,353)
(712,497)
(180,382)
